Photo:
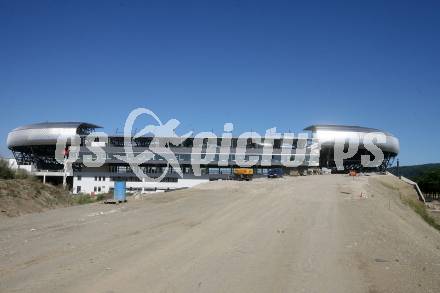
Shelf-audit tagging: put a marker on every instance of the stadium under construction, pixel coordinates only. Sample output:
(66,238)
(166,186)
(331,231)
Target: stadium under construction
(35,145)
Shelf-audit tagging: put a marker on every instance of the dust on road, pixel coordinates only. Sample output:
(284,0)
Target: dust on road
(328,233)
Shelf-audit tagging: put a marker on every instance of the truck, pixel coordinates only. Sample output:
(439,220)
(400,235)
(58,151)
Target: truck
(243,174)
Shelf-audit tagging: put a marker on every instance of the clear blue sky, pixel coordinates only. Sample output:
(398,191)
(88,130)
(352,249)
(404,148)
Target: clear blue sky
(257,64)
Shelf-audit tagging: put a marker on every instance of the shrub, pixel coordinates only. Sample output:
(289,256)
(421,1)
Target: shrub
(82,199)
(103,196)
(22,174)
(5,171)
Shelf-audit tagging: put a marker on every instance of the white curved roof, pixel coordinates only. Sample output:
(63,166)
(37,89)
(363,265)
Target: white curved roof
(40,125)
(351,128)
(327,134)
(45,133)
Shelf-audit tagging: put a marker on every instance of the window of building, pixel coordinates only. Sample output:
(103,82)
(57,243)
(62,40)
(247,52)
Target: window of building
(78,189)
(185,157)
(225,171)
(120,169)
(186,170)
(94,189)
(96,178)
(169,179)
(79,178)
(276,158)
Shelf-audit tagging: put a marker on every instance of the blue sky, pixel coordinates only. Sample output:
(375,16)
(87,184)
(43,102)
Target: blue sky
(257,64)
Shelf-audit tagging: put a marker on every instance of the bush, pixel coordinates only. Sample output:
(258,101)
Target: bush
(103,196)
(100,197)
(5,171)
(22,174)
(82,199)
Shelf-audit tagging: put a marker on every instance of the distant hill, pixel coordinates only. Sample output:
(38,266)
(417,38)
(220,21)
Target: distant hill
(414,171)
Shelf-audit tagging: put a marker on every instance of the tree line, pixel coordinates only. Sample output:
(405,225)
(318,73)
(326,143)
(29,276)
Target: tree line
(429,181)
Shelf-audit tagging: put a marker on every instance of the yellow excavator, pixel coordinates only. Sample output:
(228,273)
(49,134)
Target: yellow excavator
(243,174)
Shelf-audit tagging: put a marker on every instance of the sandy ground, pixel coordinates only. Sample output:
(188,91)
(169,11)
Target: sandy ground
(304,234)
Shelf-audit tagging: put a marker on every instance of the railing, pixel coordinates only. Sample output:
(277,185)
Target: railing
(432,196)
(47,171)
(419,192)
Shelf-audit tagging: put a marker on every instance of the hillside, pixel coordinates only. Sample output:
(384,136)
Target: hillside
(21,193)
(22,196)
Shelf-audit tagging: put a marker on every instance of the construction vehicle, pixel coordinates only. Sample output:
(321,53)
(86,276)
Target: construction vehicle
(243,174)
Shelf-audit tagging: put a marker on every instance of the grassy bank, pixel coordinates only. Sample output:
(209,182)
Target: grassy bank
(420,208)
(409,197)
(22,193)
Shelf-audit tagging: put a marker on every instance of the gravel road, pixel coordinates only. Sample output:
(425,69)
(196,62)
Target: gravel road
(328,233)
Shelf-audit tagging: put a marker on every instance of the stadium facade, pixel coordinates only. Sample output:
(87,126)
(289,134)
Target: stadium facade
(35,145)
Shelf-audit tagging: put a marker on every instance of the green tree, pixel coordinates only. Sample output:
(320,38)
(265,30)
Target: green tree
(429,181)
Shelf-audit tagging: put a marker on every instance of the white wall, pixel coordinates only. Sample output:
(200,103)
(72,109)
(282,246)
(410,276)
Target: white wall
(88,184)
(181,183)
(12,163)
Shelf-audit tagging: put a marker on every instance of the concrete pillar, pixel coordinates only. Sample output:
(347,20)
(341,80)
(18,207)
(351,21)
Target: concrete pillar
(44,179)
(66,170)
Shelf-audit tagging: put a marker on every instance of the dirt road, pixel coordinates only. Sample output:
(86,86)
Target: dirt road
(305,234)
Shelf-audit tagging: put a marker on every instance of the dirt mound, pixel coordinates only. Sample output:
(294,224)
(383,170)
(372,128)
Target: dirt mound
(22,196)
